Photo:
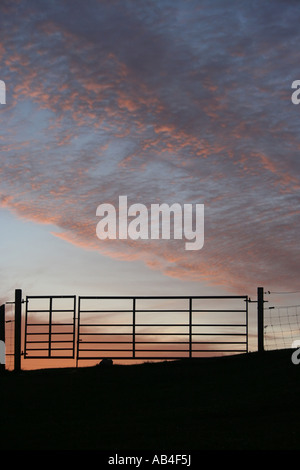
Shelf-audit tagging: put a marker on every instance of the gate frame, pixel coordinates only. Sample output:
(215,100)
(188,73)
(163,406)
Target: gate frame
(50,325)
(18,322)
(190,325)
(2,335)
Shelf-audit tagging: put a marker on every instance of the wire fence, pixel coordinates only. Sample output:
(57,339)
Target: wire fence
(282,326)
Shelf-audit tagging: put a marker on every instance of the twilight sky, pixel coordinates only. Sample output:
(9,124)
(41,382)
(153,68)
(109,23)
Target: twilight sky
(165,101)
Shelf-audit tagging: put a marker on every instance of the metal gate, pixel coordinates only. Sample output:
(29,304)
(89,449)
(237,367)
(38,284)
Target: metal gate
(50,323)
(164,327)
(140,328)
(161,327)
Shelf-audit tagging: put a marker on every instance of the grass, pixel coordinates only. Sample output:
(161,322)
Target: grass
(244,402)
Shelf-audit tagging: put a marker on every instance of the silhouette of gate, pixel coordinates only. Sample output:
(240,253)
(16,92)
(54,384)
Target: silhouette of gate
(50,326)
(161,327)
(140,328)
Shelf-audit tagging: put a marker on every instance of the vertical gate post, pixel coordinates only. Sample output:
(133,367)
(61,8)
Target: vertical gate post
(260,318)
(18,325)
(78,328)
(2,338)
(133,327)
(190,327)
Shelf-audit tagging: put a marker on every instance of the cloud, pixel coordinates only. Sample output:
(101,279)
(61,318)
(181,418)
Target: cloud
(163,102)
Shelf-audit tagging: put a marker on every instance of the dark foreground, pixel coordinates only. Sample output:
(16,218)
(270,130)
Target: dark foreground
(247,402)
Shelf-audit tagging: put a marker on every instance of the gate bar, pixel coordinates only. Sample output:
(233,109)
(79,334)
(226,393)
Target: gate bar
(133,328)
(18,327)
(2,337)
(260,319)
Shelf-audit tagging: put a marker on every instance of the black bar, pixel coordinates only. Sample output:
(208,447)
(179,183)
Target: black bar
(219,334)
(227,325)
(47,310)
(247,327)
(74,325)
(106,311)
(78,332)
(107,324)
(158,358)
(186,325)
(133,328)
(53,357)
(157,310)
(260,318)
(37,310)
(18,327)
(53,324)
(2,333)
(38,333)
(83,343)
(171,333)
(50,325)
(46,349)
(52,296)
(160,297)
(46,342)
(26,323)
(190,327)
(154,342)
(138,351)
(2,323)
(102,349)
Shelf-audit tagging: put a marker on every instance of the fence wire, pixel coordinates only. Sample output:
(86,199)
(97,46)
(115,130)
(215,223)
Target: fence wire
(282,326)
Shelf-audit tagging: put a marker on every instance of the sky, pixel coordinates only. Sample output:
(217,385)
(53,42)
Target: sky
(185,102)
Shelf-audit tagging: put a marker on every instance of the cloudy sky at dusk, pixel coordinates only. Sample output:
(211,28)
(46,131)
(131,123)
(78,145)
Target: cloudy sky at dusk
(165,101)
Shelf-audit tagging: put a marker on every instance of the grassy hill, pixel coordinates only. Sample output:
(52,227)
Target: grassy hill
(244,402)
